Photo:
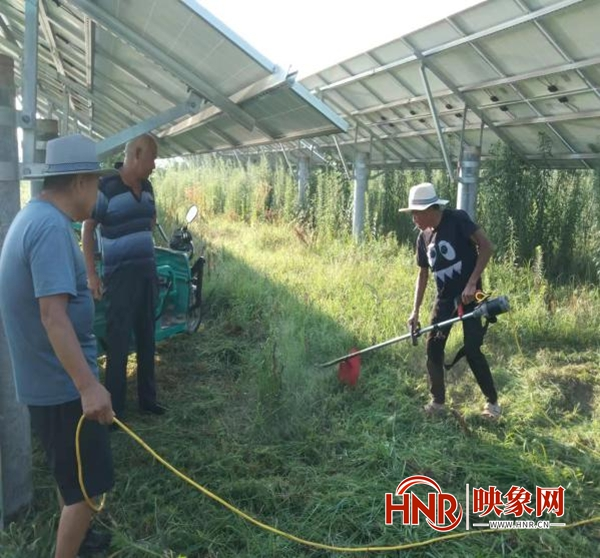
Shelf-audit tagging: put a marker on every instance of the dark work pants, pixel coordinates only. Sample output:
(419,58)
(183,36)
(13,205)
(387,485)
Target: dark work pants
(131,301)
(473,339)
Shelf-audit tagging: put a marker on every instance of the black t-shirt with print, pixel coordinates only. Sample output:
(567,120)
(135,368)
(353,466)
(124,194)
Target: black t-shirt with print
(449,251)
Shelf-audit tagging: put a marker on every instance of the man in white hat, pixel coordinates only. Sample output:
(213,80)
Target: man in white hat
(48,315)
(457,251)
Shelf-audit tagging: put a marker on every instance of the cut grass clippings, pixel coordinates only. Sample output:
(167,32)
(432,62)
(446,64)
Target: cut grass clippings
(253,419)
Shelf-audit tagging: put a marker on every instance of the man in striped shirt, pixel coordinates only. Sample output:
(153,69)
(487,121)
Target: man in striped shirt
(126,213)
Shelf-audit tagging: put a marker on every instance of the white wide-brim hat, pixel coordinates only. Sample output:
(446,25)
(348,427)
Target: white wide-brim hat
(75,154)
(422,196)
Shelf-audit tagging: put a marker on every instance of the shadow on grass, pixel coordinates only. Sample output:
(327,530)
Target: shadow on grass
(252,419)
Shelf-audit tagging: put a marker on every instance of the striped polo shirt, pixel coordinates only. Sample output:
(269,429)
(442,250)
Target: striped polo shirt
(125,225)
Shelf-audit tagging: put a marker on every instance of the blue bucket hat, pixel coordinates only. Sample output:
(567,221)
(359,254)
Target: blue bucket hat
(74,154)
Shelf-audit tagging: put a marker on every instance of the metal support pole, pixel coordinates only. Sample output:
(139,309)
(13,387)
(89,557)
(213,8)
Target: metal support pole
(303,174)
(29,80)
(468,179)
(15,443)
(436,121)
(361,179)
(46,130)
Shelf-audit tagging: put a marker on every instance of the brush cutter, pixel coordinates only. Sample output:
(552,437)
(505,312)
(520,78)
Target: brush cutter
(349,369)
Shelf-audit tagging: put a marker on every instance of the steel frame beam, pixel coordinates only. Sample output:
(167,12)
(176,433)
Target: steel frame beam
(358,125)
(451,44)
(575,66)
(560,49)
(90,52)
(8,33)
(137,76)
(54,50)
(277,79)
(191,105)
(49,35)
(313,149)
(462,97)
(506,124)
(341,156)
(185,74)
(436,122)
(519,93)
(396,79)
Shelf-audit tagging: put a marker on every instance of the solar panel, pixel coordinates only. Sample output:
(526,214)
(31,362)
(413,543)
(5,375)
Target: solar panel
(111,64)
(526,72)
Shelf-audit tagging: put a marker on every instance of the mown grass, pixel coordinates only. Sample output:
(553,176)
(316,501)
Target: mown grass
(253,419)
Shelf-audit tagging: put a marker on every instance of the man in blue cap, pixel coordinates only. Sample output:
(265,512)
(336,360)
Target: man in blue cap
(48,315)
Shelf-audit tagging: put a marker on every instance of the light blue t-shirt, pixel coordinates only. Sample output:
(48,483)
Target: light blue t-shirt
(41,257)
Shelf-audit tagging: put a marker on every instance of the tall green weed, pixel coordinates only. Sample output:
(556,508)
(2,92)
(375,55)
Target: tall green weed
(523,207)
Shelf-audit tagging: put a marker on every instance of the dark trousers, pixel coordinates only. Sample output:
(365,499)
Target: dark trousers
(55,426)
(131,301)
(473,333)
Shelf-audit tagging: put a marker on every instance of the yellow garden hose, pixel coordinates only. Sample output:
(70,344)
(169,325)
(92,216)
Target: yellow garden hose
(89,501)
(264,526)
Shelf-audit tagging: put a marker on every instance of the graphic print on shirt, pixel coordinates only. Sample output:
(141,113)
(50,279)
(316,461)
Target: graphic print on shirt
(444,255)
(449,251)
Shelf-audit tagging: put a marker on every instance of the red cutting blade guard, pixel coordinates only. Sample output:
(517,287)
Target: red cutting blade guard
(349,370)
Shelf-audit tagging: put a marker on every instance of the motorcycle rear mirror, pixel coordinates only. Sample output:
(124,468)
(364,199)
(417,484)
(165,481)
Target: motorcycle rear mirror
(191,214)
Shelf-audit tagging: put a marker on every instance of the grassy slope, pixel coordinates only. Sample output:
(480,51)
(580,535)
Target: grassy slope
(252,419)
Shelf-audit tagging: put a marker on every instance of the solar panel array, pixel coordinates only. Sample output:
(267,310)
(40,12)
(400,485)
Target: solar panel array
(526,72)
(111,64)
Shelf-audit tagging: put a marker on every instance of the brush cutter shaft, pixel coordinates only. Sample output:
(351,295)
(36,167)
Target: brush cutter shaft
(417,333)
(487,309)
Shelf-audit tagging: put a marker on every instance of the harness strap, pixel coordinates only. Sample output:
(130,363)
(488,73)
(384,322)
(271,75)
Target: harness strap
(462,351)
